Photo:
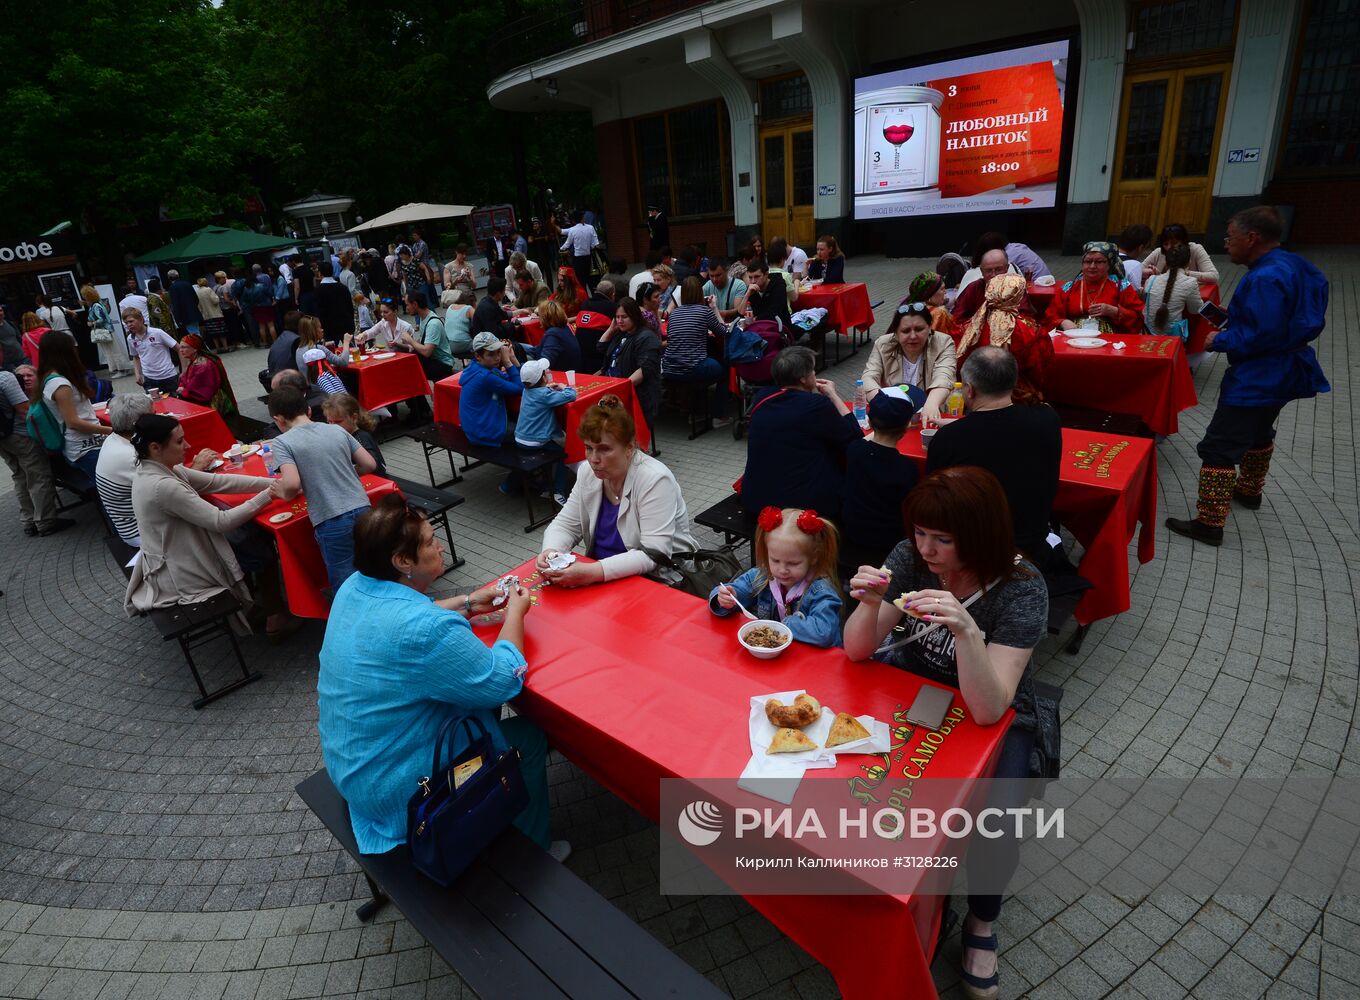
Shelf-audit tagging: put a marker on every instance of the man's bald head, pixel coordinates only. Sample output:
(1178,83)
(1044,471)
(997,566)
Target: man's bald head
(993,262)
(289,379)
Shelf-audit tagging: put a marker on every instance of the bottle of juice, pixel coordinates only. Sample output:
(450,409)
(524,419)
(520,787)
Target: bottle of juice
(953,403)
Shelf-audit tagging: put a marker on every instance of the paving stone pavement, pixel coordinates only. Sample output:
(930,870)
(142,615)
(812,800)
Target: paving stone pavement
(149,850)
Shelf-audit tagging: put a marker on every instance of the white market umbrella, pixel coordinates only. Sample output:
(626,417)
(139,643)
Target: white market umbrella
(419,211)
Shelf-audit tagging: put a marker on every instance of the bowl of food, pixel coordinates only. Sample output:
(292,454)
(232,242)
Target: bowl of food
(764,639)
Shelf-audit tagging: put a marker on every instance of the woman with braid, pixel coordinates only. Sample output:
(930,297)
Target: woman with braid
(1172,297)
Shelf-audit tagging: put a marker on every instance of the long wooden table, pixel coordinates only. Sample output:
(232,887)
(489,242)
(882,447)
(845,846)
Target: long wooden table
(300,562)
(1107,494)
(637,683)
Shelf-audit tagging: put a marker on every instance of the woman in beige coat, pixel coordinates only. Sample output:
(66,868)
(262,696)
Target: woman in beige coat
(911,353)
(185,555)
(624,503)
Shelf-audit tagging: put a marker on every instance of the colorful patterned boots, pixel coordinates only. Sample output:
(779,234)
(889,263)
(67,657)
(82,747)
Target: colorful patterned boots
(1251,478)
(1215,495)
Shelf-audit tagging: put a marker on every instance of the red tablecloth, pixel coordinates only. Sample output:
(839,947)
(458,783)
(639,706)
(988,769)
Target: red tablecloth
(1107,487)
(390,380)
(1039,297)
(203,426)
(1199,326)
(1150,378)
(531,330)
(847,306)
(303,569)
(636,682)
(589,389)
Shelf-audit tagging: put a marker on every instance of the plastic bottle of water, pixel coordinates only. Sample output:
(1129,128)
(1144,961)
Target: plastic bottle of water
(954,401)
(861,409)
(267,453)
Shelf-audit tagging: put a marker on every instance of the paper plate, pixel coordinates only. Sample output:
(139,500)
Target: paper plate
(384,355)
(280,517)
(1086,342)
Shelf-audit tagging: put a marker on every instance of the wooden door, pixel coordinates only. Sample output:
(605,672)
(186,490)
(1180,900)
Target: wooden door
(1168,141)
(786,184)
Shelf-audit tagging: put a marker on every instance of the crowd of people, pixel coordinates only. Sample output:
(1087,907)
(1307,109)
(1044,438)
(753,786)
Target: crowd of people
(843,521)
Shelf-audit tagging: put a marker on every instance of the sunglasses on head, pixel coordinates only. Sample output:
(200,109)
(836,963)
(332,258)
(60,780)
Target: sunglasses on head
(910,308)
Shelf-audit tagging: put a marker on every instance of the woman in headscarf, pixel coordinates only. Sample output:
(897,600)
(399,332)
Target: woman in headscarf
(999,323)
(928,287)
(1101,293)
(569,294)
(203,378)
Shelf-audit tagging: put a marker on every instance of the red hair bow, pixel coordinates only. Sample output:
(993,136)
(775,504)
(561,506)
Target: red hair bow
(810,523)
(770,518)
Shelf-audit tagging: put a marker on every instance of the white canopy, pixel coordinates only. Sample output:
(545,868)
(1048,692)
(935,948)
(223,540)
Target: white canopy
(418,211)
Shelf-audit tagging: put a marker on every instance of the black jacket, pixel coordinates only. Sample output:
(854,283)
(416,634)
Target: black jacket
(489,317)
(335,309)
(795,453)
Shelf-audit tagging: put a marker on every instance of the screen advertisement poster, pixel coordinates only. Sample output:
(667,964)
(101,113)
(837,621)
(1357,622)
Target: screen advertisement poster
(981,133)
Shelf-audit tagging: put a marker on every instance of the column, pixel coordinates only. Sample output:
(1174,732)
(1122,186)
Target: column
(704,55)
(808,43)
(1104,24)
(1258,90)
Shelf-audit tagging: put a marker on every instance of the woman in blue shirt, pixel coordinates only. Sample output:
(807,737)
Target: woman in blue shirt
(396,665)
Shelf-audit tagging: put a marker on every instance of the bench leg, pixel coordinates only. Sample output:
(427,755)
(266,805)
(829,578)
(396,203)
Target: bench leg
(206,696)
(367,911)
(443,520)
(1074,645)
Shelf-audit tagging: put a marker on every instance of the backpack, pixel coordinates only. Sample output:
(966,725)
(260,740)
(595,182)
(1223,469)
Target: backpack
(44,426)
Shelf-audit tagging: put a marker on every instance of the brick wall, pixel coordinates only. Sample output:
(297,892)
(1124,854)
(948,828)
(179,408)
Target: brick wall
(1325,211)
(628,235)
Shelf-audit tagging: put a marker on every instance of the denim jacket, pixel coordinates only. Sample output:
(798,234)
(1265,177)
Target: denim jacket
(814,618)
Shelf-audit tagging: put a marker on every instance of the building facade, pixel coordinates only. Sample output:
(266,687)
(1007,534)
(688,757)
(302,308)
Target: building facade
(735,116)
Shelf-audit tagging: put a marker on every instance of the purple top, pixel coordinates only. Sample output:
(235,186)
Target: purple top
(607,540)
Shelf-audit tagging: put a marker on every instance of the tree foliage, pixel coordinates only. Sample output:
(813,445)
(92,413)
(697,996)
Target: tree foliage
(121,110)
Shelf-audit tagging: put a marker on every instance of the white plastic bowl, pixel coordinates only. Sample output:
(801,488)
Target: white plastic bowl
(1081,331)
(759,652)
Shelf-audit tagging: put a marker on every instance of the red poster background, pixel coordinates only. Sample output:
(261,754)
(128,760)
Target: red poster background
(993,94)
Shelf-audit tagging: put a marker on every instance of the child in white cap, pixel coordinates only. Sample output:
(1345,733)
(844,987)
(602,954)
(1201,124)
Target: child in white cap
(537,425)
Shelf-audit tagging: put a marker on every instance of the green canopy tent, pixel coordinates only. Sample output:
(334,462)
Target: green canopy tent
(213,241)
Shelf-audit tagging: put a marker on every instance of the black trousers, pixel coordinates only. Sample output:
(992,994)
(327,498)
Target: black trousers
(1235,430)
(582,267)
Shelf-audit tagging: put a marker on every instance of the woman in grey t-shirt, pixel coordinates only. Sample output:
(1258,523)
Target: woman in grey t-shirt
(982,611)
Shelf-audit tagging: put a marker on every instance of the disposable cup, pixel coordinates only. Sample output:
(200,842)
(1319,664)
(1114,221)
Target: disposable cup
(571,378)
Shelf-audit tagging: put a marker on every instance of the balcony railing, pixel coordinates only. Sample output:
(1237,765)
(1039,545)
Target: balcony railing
(573,23)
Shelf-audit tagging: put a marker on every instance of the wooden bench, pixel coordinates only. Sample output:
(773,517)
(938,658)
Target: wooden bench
(526,461)
(193,625)
(436,504)
(729,519)
(516,923)
(1065,591)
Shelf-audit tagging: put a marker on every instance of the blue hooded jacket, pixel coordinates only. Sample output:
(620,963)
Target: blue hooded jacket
(1279,308)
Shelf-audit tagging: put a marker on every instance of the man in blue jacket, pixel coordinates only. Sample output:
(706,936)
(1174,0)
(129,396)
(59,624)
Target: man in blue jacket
(1279,308)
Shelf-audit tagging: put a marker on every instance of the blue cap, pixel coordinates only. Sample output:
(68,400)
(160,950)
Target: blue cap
(894,406)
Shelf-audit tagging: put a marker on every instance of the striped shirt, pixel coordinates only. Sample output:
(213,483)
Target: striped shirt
(113,479)
(687,332)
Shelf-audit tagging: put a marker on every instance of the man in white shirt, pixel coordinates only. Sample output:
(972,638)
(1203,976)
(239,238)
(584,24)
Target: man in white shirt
(518,263)
(581,239)
(134,300)
(797,262)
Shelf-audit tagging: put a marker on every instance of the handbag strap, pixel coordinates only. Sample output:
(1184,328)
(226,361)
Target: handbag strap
(918,636)
(445,738)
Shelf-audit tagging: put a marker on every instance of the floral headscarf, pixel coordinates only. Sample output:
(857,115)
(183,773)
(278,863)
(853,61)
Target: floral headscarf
(1004,295)
(923,286)
(1111,253)
(224,400)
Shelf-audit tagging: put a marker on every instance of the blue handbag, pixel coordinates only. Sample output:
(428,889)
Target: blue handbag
(449,824)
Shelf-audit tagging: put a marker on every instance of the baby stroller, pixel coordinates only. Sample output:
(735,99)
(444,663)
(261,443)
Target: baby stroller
(755,375)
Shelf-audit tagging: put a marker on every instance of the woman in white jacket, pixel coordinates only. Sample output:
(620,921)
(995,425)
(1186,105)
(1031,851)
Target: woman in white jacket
(624,502)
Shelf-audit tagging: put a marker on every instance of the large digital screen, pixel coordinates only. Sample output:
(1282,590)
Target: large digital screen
(977,134)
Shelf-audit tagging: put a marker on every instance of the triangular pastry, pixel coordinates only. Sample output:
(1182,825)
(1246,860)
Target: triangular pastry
(790,741)
(846,729)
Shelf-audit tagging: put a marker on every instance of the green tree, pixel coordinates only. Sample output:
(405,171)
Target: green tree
(122,110)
